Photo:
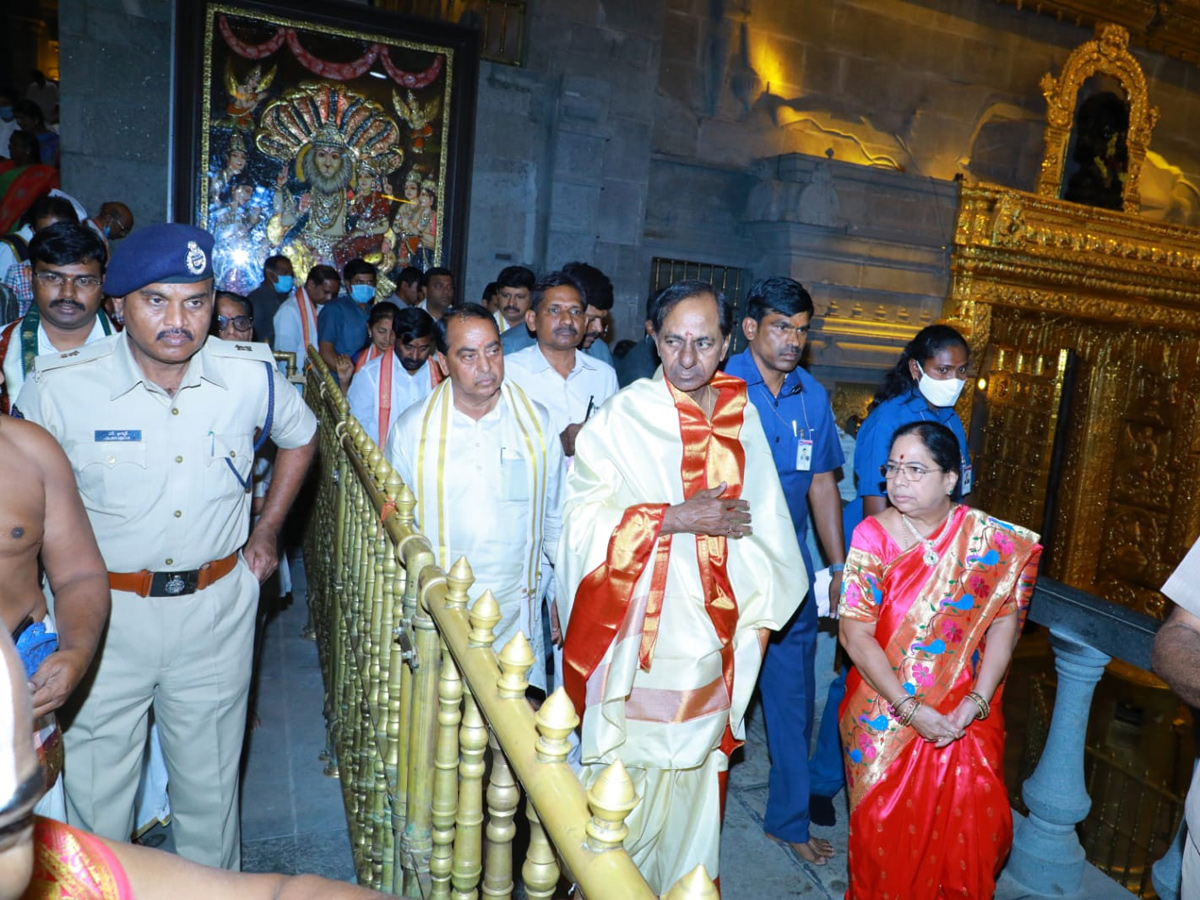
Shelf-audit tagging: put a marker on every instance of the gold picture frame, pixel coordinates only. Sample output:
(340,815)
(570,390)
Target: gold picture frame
(323,134)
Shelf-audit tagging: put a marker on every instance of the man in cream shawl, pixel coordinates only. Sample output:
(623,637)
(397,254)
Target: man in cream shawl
(485,466)
(677,557)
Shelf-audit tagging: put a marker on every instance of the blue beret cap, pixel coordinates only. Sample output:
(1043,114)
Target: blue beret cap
(159,254)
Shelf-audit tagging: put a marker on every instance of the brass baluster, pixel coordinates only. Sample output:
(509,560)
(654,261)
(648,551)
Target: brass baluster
(540,872)
(394,591)
(468,857)
(416,555)
(503,796)
(445,778)
(418,826)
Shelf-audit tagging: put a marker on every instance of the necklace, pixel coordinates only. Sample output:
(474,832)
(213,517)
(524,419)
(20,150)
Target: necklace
(928,554)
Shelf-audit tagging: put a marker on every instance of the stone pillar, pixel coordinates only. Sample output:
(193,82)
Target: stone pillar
(115,104)
(1047,856)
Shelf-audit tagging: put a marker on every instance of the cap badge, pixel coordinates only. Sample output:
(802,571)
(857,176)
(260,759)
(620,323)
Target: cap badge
(195,258)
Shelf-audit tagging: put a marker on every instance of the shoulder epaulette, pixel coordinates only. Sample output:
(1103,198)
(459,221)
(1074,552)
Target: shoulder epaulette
(95,350)
(255,351)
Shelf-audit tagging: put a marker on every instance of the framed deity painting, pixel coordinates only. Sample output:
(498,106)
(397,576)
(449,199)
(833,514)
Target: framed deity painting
(323,132)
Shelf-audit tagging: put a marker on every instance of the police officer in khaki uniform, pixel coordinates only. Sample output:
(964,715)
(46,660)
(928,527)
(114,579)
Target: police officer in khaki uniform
(159,425)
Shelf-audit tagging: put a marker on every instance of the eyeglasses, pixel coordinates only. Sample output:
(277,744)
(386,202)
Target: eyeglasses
(911,473)
(240,323)
(58,281)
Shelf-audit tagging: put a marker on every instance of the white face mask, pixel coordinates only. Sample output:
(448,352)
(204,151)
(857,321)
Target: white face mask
(939,392)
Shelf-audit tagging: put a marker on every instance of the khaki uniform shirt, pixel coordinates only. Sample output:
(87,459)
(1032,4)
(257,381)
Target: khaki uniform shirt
(155,471)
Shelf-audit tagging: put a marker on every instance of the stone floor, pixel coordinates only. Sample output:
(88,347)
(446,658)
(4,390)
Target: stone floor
(292,817)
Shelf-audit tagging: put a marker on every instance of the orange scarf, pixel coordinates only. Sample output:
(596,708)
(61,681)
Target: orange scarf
(306,307)
(385,396)
(365,357)
(712,453)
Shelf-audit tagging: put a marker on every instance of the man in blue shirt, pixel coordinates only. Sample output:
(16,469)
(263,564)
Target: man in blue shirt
(342,323)
(798,422)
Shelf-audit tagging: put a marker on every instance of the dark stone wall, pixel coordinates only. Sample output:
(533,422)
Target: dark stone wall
(818,138)
(115,103)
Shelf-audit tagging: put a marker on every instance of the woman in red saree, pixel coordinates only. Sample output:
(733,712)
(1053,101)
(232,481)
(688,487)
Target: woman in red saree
(22,179)
(933,600)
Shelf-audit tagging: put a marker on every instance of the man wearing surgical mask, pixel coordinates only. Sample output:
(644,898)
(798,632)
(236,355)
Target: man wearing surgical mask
(342,324)
(277,286)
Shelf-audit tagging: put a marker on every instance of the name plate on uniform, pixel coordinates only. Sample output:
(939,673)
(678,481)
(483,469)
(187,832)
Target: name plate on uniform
(120,435)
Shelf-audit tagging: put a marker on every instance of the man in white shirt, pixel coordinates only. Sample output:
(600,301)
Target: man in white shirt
(554,372)
(296,318)
(484,462)
(412,370)
(68,262)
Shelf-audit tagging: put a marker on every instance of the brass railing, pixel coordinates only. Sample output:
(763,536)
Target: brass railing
(416,699)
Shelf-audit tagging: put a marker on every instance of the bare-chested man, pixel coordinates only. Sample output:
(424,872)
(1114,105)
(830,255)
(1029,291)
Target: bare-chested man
(41,514)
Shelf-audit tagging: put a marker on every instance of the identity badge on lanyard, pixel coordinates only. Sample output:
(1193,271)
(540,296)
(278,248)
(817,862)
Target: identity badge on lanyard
(968,479)
(804,448)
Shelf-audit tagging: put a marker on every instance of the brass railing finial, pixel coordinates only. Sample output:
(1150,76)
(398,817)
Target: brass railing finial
(516,659)
(555,721)
(611,799)
(459,580)
(483,617)
(695,885)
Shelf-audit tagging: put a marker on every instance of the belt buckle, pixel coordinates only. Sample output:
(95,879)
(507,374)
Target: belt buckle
(173,584)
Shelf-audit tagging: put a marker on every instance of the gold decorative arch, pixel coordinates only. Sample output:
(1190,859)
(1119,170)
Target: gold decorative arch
(1107,54)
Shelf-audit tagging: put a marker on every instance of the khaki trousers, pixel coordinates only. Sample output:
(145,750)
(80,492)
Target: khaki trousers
(190,658)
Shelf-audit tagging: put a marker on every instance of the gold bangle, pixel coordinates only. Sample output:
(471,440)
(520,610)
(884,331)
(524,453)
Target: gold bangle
(895,708)
(912,711)
(985,708)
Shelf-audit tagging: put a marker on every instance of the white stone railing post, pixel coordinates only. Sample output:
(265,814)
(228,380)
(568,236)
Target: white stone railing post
(1047,855)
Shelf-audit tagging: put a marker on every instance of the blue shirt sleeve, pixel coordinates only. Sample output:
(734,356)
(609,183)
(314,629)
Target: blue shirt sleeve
(328,323)
(871,451)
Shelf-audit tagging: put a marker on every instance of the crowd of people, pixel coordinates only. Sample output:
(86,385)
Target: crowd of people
(642,519)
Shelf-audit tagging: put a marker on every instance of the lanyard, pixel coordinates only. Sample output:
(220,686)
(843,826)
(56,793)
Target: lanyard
(247,483)
(775,410)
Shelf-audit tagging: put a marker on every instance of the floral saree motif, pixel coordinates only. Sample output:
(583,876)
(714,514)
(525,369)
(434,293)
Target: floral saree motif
(927,822)
(72,865)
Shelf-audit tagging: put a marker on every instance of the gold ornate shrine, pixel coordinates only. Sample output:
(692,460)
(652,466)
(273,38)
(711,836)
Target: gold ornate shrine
(1100,309)
(1107,55)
